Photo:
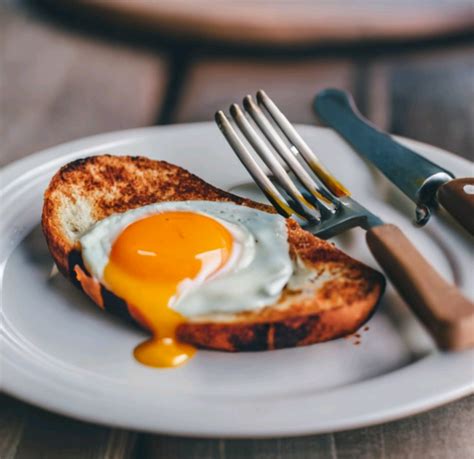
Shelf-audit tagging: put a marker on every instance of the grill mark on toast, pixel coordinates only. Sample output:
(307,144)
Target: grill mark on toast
(250,339)
(291,332)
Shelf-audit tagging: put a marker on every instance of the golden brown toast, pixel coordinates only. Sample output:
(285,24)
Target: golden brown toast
(88,190)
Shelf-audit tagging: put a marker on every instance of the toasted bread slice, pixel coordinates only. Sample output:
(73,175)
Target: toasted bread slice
(337,302)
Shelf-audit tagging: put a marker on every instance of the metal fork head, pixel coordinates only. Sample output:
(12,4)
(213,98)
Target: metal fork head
(314,196)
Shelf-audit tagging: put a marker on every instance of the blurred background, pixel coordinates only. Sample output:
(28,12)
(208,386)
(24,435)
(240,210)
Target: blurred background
(69,69)
(75,68)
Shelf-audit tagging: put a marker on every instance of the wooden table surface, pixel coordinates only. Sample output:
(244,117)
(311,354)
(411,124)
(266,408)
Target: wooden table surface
(59,83)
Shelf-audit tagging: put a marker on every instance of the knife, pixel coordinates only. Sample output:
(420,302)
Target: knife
(424,182)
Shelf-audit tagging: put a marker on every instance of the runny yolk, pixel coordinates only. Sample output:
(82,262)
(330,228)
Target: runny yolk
(156,259)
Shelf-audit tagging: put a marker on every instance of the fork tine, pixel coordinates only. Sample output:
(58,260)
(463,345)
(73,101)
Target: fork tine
(271,192)
(311,159)
(285,153)
(309,210)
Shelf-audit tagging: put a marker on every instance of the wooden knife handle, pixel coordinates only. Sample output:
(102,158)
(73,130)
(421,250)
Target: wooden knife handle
(440,306)
(457,197)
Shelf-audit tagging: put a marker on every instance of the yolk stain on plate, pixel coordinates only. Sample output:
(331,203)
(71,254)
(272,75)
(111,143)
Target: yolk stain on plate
(152,262)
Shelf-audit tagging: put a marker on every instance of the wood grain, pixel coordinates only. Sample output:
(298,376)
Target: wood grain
(283,22)
(457,197)
(441,307)
(12,423)
(54,87)
(432,97)
(213,84)
(31,433)
(443,433)
(57,86)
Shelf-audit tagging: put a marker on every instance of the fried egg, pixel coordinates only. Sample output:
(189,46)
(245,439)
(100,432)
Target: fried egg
(174,261)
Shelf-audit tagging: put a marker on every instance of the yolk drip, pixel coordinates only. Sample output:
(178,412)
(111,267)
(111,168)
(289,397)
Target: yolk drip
(154,260)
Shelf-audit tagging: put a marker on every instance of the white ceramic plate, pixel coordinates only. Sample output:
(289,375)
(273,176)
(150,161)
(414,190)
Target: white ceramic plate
(61,352)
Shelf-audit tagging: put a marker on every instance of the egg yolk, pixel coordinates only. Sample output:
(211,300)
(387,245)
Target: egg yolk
(156,259)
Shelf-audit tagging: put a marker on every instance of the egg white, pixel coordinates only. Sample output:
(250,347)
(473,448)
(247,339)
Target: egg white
(258,268)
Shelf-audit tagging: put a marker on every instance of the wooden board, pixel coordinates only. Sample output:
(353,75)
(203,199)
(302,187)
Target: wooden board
(55,86)
(282,22)
(27,432)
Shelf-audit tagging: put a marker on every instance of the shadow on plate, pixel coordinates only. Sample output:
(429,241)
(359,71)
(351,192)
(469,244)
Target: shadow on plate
(36,250)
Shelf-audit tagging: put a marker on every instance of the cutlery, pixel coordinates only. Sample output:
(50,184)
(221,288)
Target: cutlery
(324,206)
(422,181)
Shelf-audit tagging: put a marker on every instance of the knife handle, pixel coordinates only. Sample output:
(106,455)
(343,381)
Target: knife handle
(440,306)
(457,197)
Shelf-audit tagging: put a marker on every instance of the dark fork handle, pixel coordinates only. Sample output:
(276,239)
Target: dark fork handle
(440,306)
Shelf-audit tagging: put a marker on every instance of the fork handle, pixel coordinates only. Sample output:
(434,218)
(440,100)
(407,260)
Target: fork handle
(440,306)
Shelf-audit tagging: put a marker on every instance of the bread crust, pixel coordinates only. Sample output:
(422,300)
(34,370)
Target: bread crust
(90,189)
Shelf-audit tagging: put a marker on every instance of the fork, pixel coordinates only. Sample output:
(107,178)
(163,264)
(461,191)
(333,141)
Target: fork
(301,187)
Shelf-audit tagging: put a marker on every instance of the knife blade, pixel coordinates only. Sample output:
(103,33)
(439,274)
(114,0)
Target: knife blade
(423,181)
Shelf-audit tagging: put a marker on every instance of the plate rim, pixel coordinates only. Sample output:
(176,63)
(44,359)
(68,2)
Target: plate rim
(12,172)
